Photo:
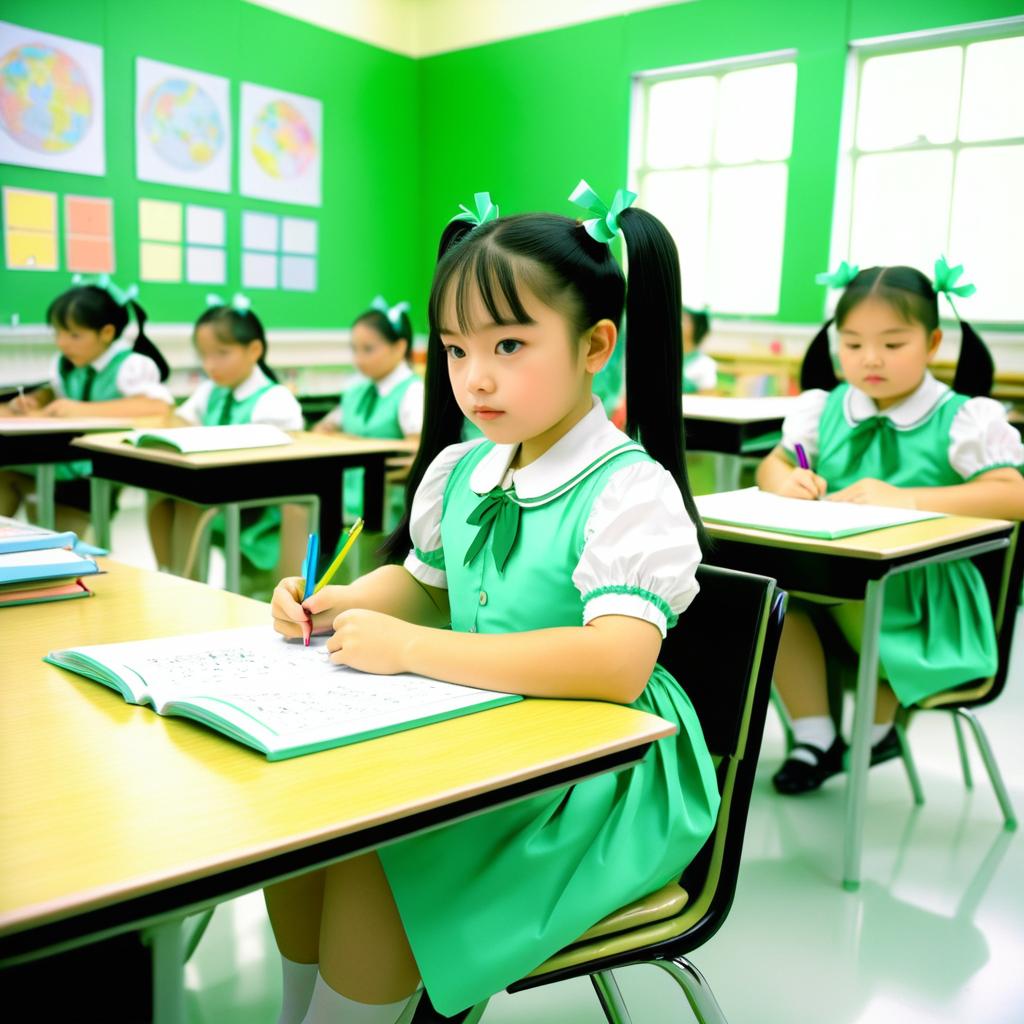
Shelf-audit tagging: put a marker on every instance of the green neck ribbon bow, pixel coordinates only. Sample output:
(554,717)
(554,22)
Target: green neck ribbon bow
(392,313)
(840,277)
(368,403)
(862,437)
(122,296)
(946,278)
(605,226)
(497,514)
(485,210)
(239,303)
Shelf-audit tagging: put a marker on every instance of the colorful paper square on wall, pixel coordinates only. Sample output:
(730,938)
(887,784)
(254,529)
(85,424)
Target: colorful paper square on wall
(89,234)
(30,229)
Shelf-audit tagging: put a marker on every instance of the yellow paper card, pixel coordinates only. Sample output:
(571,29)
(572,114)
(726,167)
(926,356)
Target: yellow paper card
(31,250)
(160,221)
(30,210)
(158,262)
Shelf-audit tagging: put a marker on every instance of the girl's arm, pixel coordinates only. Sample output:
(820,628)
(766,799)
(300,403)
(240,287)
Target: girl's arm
(609,659)
(778,475)
(27,404)
(137,406)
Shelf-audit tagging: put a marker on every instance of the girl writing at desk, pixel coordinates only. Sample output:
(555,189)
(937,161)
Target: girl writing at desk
(891,434)
(559,550)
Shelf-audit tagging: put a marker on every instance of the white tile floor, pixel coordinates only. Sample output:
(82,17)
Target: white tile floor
(936,933)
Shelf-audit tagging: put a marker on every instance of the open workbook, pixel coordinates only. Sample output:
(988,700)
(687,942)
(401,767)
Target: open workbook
(189,440)
(266,692)
(824,520)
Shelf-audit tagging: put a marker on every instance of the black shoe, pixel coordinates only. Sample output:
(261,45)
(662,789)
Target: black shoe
(797,776)
(426,1014)
(887,748)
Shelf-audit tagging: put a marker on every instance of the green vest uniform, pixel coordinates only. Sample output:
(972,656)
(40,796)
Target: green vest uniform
(87,384)
(485,900)
(689,384)
(260,536)
(365,412)
(937,629)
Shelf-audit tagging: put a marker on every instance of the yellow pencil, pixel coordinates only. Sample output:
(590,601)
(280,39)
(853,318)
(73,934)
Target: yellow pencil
(357,528)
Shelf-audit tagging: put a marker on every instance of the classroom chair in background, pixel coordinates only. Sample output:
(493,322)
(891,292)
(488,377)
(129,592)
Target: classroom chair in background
(723,650)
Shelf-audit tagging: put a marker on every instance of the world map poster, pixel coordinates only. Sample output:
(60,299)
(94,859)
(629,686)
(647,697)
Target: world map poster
(51,101)
(279,145)
(182,126)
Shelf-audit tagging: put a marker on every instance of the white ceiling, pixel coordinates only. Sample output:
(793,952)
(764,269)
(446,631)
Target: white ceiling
(422,27)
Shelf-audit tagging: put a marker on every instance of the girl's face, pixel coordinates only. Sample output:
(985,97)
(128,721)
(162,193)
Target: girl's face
(523,383)
(82,345)
(226,363)
(882,354)
(375,357)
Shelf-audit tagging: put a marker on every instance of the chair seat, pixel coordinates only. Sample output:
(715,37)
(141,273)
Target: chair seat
(961,695)
(666,902)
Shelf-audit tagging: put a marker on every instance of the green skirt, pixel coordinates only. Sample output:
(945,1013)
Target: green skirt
(486,900)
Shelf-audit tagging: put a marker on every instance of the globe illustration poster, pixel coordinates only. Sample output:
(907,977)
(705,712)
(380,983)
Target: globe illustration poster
(51,101)
(182,126)
(280,145)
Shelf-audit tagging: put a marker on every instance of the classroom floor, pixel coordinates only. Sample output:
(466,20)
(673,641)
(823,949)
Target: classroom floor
(935,934)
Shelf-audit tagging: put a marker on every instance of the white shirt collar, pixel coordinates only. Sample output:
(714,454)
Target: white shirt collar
(253,383)
(112,350)
(595,435)
(388,383)
(915,408)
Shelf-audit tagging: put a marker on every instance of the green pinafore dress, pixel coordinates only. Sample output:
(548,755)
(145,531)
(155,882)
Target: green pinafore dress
(937,629)
(486,900)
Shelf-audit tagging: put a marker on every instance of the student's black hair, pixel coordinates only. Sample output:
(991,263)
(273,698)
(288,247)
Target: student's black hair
(914,298)
(555,259)
(92,307)
(239,327)
(701,324)
(379,322)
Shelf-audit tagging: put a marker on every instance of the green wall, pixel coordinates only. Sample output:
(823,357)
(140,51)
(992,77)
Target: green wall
(526,118)
(370,110)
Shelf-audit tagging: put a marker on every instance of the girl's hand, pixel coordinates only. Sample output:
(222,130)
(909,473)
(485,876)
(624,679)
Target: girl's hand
(875,492)
(803,483)
(23,405)
(66,408)
(324,426)
(289,612)
(370,641)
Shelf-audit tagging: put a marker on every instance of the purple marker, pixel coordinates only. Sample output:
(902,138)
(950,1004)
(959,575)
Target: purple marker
(801,457)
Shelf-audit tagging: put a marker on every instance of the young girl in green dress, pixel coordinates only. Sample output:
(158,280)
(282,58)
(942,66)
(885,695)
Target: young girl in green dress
(892,434)
(241,388)
(700,371)
(548,559)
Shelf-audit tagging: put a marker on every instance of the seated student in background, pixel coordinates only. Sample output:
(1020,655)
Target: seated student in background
(242,388)
(892,434)
(96,373)
(387,404)
(700,371)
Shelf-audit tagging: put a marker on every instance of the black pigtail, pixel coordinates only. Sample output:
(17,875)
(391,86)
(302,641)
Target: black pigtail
(143,345)
(817,369)
(975,369)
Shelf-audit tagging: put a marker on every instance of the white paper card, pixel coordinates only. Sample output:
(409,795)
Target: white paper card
(204,225)
(205,266)
(259,231)
(298,273)
(298,235)
(259,270)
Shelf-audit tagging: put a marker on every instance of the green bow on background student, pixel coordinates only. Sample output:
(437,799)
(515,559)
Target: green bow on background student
(239,303)
(840,277)
(393,313)
(485,210)
(122,296)
(605,226)
(946,278)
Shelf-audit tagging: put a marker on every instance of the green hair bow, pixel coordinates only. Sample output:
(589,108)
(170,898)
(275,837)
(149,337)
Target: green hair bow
(946,278)
(122,296)
(840,277)
(239,303)
(605,226)
(393,313)
(485,210)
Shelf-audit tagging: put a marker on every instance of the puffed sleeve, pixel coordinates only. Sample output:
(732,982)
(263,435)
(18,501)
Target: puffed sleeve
(801,425)
(278,407)
(410,409)
(193,409)
(426,560)
(640,553)
(139,376)
(56,384)
(980,439)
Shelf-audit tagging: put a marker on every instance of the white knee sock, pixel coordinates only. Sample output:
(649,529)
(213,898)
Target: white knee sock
(817,730)
(297,981)
(330,1007)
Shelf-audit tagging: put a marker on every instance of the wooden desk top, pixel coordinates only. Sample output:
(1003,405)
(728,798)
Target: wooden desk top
(101,801)
(307,446)
(19,426)
(737,410)
(878,545)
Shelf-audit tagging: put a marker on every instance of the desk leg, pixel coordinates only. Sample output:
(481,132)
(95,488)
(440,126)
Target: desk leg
(860,738)
(46,476)
(330,513)
(232,548)
(727,472)
(99,500)
(167,943)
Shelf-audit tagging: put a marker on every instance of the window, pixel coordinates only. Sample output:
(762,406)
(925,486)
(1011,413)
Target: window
(710,156)
(933,158)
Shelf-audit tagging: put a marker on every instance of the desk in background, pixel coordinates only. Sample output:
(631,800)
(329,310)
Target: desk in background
(855,569)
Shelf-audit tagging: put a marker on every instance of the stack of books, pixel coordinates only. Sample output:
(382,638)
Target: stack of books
(40,565)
